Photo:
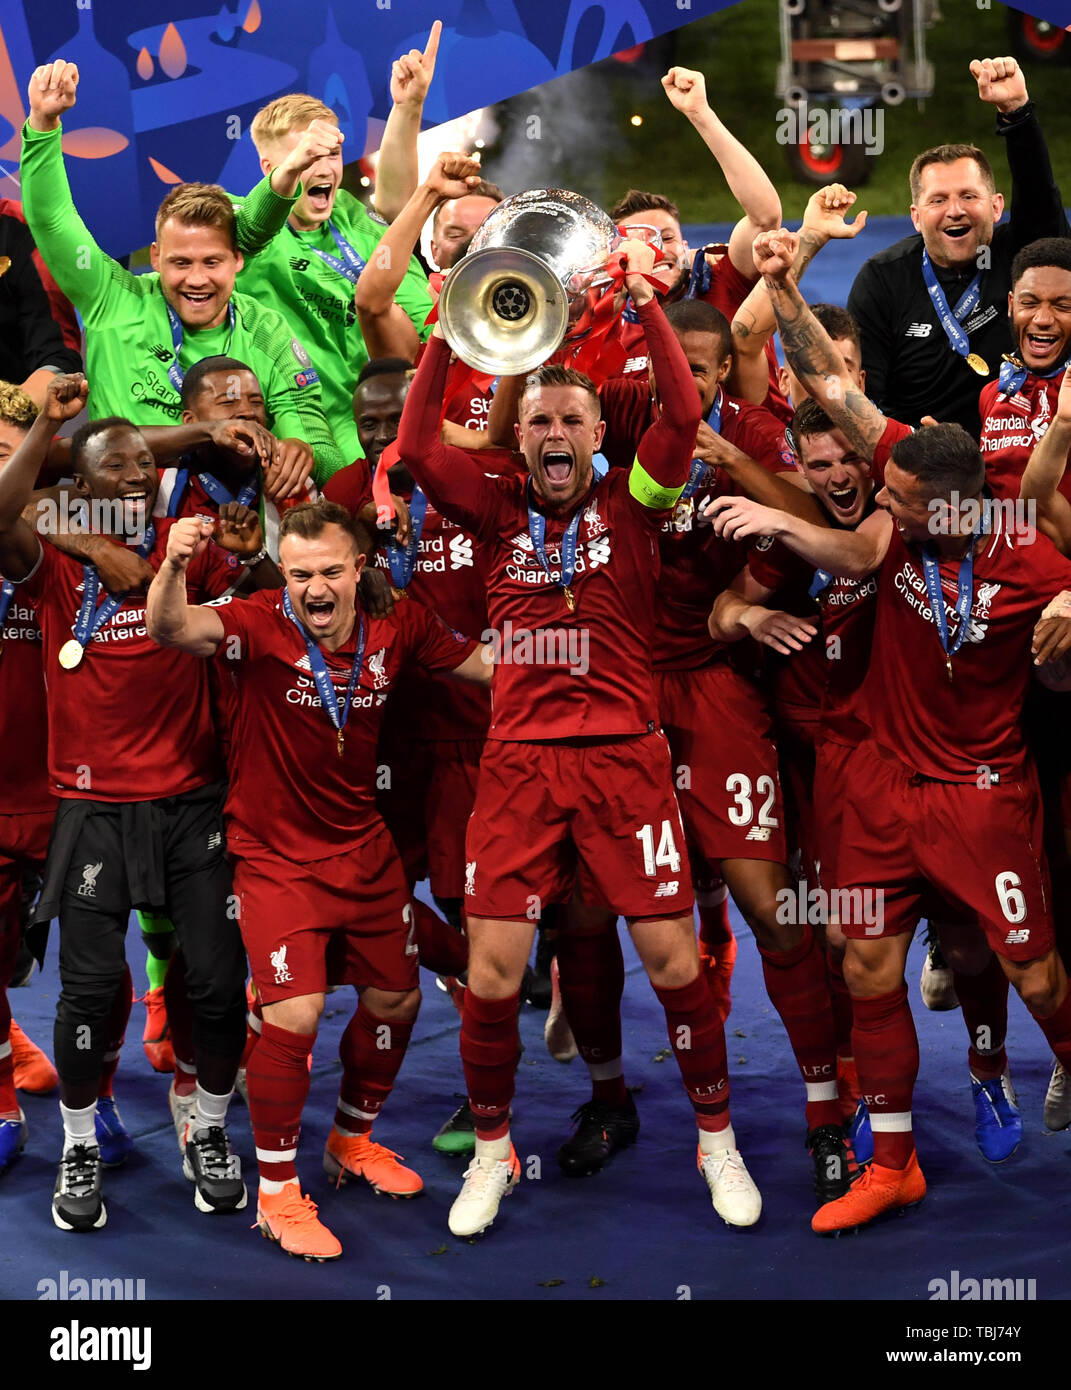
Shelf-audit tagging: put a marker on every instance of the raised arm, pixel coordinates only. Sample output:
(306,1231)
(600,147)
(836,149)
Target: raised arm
(386,328)
(810,350)
(261,216)
(1037,209)
(396,172)
(665,452)
(754,323)
(171,620)
(450,478)
(19,546)
(748,182)
(1041,482)
(754,481)
(852,554)
(81,269)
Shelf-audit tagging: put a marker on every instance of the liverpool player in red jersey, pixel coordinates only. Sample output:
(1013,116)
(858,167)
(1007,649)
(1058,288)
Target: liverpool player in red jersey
(575,782)
(322,893)
(935,808)
(138,818)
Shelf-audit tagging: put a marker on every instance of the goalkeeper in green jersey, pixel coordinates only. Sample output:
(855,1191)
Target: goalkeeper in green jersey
(144,331)
(308,271)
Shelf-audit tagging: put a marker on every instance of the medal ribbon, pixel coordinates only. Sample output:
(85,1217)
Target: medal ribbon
(351,264)
(1013,374)
(337,711)
(403,559)
(932,570)
(537,529)
(952,318)
(7,593)
(175,374)
(215,489)
(91,618)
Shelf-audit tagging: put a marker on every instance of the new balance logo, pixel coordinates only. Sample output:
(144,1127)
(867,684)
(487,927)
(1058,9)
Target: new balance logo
(298,263)
(279,965)
(635,364)
(918,330)
(88,887)
(215,839)
(161,353)
(460,552)
(522,542)
(1018,938)
(668,889)
(758,832)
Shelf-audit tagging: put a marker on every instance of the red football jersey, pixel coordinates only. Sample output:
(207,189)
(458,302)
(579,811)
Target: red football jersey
(131,722)
(290,787)
(894,432)
(448,577)
(23,714)
(831,667)
(1011,429)
(954,729)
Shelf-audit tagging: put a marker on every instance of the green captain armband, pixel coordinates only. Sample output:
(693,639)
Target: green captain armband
(651,493)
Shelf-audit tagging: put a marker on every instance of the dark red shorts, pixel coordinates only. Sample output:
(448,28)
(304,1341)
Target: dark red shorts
(427,805)
(601,815)
(827,812)
(979,848)
(23,841)
(724,762)
(346,920)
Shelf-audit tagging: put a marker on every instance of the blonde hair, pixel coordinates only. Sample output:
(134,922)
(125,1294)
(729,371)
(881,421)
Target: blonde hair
(16,408)
(199,205)
(296,111)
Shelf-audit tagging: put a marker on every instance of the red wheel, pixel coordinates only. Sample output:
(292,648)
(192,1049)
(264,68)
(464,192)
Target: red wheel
(1039,40)
(816,163)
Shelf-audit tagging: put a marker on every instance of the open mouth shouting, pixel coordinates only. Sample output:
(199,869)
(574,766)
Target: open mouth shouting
(558,467)
(1041,349)
(320,197)
(958,236)
(319,612)
(844,500)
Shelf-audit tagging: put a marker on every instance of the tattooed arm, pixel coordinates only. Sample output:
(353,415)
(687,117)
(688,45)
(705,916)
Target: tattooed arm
(754,323)
(809,349)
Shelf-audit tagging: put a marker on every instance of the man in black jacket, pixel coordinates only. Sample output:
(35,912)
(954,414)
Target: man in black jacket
(932,309)
(39,334)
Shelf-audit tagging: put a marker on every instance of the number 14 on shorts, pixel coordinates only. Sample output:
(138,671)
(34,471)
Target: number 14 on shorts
(666,856)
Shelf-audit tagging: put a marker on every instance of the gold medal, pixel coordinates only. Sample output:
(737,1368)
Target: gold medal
(570,598)
(948,666)
(340,741)
(5,264)
(977,364)
(70,654)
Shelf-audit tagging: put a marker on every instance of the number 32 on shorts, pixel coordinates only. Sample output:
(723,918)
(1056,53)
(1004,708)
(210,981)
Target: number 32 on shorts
(666,856)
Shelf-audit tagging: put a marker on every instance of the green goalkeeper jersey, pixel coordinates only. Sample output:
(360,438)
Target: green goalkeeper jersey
(294,274)
(129,342)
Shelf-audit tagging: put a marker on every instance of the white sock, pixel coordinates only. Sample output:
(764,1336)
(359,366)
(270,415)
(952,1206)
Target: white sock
(78,1126)
(211,1110)
(493,1148)
(272,1189)
(717,1141)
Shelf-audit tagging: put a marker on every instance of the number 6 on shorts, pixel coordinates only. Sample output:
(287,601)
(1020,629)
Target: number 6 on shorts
(1012,901)
(666,857)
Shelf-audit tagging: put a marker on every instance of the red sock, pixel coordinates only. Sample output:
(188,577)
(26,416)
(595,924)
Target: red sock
(591,972)
(717,944)
(797,986)
(278,1081)
(697,1037)
(372,1050)
(1057,1030)
(984,1001)
(180,1013)
(442,948)
(887,1056)
(490,1045)
(117,1021)
(841,1001)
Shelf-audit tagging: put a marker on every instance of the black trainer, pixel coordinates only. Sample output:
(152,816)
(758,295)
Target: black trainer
(835,1168)
(601,1130)
(211,1164)
(76,1201)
